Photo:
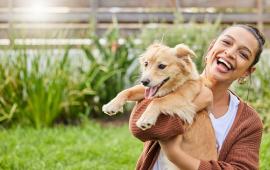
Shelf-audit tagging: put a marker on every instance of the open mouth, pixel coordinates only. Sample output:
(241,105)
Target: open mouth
(224,65)
(151,91)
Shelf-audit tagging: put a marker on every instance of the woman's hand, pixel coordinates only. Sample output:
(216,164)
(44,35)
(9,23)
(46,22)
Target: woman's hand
(176,155)
(204,100)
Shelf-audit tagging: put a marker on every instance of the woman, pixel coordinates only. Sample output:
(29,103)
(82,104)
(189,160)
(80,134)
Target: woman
(238,128)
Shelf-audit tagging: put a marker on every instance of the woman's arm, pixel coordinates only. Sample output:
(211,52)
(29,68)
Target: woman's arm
(204,98)
(243,154)
(176,155)
(166,126)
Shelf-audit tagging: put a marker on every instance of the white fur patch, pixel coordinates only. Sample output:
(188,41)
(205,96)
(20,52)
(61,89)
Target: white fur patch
(186,112)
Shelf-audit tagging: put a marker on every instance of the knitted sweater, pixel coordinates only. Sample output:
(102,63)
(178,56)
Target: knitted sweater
(240,149)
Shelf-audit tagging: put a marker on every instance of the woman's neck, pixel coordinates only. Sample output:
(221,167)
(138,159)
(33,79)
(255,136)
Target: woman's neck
(221,99)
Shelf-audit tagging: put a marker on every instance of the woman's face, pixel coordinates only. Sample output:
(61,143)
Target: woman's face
(231,55)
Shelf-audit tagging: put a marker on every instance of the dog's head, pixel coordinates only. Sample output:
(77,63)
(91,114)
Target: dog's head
(164,69)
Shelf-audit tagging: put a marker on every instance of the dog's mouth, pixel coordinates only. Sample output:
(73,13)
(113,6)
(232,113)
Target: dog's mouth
(151,91)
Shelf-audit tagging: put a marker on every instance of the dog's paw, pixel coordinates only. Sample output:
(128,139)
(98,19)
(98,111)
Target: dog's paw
(145,122)
(112,108)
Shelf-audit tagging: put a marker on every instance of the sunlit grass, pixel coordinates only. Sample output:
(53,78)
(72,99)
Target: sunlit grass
(85,147)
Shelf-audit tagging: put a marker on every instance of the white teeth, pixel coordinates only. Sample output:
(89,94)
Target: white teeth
(225,62)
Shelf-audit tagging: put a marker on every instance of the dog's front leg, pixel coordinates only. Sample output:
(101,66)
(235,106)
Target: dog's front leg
(149,116)
(185,110)
(178,103)
(135,93)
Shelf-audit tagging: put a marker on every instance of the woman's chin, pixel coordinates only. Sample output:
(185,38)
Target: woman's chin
(219,77)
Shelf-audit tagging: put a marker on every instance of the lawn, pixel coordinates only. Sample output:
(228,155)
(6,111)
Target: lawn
(69,148)
(84,147)
(265,152)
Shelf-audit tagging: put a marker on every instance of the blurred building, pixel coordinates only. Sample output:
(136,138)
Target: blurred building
(23,21)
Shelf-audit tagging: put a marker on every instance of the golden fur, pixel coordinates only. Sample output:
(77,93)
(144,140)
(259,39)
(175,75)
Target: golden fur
(173,89)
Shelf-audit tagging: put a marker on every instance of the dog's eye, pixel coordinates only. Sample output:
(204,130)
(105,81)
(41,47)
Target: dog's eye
(145,64)
(161,66)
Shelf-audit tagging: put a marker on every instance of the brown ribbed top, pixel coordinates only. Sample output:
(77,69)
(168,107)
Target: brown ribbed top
(240,149)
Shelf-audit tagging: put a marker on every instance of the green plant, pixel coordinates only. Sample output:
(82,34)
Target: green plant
(39,87)
(10,88)
(112,68)
(44,90)
(36,87)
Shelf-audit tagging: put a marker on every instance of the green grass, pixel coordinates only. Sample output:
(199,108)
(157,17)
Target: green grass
(69,148)
(265,152)
(85,147)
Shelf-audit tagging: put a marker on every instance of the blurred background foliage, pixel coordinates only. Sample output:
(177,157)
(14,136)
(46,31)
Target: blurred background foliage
(40,87)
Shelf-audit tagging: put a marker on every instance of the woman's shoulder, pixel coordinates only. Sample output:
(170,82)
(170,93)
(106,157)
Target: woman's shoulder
(248,109)
(249,115)
(246,112)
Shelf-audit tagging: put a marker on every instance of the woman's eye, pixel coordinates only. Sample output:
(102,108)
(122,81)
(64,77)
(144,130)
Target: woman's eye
(226,42)
(161,66)
(243,55)
(145,64)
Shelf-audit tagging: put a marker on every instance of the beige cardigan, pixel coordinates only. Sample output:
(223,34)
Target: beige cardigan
(240,149)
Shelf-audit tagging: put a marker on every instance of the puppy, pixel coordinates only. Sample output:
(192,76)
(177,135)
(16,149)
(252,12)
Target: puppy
(171,78)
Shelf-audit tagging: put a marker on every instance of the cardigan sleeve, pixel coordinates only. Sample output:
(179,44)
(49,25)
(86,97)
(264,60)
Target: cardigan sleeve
(165,127)
(244,154)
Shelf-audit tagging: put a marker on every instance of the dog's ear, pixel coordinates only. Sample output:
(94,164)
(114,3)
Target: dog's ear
(183,50)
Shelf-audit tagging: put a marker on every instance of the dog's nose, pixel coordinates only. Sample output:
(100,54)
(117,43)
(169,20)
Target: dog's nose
(145,82)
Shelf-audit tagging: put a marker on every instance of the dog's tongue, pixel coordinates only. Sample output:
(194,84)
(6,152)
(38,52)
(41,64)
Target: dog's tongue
(150,92)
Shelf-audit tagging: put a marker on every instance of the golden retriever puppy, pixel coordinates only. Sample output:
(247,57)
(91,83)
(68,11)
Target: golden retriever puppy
(171,78)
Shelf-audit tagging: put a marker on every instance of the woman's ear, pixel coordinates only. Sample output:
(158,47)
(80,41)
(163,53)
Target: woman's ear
(252,69)
(243,79)
(249,71)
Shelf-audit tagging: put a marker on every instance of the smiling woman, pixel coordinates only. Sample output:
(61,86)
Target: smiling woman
(238,128)
(240,47)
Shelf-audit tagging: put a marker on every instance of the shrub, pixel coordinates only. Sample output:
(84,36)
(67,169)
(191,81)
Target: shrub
(39,86)
(112,68)
(34,86)
(10,88)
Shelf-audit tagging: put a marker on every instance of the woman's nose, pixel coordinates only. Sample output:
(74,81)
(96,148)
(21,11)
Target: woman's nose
(230,52)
